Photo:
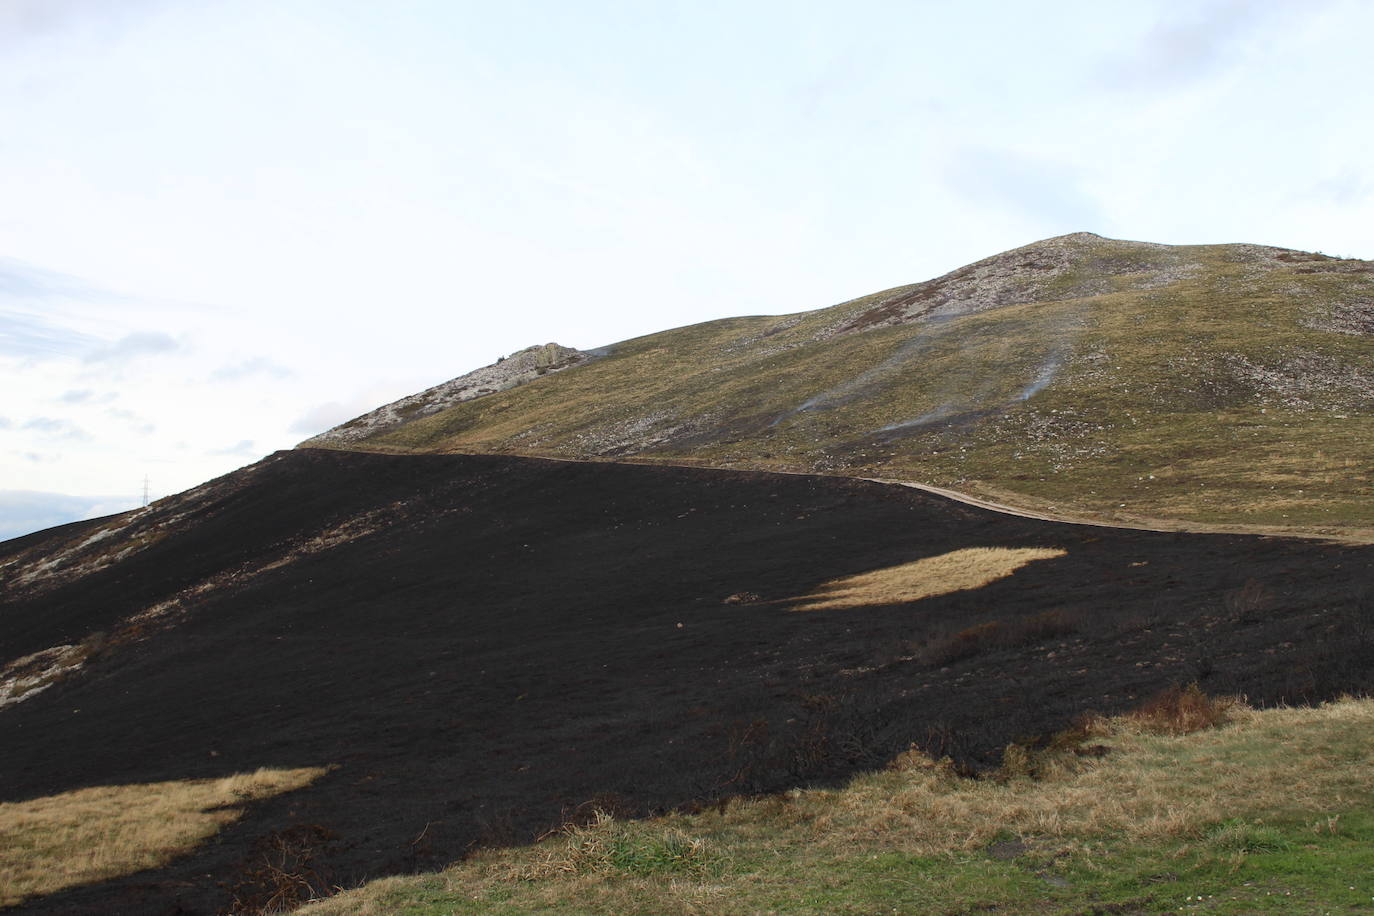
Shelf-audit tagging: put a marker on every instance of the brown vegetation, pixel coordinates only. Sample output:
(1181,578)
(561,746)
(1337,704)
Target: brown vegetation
(47,844)
(1181,711)
(998,634)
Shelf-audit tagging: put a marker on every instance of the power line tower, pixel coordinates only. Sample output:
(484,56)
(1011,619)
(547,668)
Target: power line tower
(145,490)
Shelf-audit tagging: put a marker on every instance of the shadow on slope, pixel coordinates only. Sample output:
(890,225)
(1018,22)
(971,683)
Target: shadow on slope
(487,646)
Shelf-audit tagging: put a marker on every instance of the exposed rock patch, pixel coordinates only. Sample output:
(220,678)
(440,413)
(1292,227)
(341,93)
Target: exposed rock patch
(29,676)
(1306,381)
(1353,317)
(507,372)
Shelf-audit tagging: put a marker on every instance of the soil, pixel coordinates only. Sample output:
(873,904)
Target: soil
(503,644)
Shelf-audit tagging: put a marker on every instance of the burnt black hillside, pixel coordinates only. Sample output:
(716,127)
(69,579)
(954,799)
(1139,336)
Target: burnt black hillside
(485,646)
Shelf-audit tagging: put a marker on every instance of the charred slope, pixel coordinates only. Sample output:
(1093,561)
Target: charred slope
(482,644)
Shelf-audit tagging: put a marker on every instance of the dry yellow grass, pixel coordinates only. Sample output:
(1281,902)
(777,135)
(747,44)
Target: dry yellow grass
(47,844)
(1150,786)
(956,571)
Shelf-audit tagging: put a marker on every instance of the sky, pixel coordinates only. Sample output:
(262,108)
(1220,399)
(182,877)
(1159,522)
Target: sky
(226,225)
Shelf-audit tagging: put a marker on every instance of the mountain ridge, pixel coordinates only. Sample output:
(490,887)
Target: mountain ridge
(1064,374)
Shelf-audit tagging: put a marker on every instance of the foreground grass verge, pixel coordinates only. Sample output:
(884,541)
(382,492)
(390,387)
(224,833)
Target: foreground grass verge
(47,844)
(1268,812)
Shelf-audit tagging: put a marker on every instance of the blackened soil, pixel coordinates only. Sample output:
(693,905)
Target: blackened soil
(523,639)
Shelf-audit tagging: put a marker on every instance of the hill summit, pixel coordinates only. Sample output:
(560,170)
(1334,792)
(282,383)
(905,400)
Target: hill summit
(1079,376)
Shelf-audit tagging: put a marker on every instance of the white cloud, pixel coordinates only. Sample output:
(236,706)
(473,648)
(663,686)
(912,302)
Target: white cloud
(33,337)
(26,511)
(1346,188)
(328,415)
(1193,41)
(1047,195)
(244,448)
(55,428)
(134,346)
(257,365)
(26,20)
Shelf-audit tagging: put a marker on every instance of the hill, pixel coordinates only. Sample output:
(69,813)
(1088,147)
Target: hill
(429,653)
(1209,385)
(657,576)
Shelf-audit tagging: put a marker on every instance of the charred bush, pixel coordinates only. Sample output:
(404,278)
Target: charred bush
(1182,710)
(996,634)
(285,869)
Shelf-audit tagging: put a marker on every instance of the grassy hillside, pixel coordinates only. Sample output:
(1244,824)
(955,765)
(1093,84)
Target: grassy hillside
(1268,813)
(1082,376)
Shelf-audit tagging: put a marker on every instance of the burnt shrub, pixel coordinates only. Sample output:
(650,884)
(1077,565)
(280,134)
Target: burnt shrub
(1039,628)
(967,643)
(284,870)
(1181,711)
(998,634)
(1250,603)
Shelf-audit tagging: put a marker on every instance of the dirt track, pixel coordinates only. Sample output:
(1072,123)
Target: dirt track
(1005,509)
(1357,536)
(523,638)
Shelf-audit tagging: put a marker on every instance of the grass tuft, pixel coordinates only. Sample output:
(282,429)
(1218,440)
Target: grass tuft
(607,845)
(1182,710)
(1244,837)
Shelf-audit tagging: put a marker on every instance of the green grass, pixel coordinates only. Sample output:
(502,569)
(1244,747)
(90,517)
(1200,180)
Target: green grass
(1268,813)
(1209,399)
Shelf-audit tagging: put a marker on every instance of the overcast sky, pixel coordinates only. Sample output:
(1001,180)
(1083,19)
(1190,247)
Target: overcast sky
(226,225)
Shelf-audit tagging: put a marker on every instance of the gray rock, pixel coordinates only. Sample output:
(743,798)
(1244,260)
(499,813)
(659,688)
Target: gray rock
(508,372)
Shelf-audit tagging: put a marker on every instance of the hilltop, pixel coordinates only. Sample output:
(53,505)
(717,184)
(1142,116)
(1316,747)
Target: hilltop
(1080,376)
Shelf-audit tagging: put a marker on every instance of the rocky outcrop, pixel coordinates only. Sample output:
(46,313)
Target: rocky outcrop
(507,372)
